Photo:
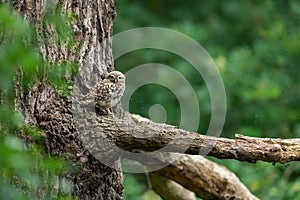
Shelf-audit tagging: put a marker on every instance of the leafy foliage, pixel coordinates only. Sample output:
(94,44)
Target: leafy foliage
(256,46)
(25,171)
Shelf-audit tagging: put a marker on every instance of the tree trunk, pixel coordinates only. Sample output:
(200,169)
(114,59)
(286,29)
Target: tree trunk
(91,26)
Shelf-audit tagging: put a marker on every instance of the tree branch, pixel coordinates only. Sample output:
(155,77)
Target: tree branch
(169,189)
(205,178)
(135,134)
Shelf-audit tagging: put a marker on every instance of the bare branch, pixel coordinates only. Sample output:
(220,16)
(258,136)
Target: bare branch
(169,189)
(205,178)
(134,133)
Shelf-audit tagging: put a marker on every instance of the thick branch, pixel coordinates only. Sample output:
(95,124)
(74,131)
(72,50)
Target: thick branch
(169,189)
(205,178)
(136,134)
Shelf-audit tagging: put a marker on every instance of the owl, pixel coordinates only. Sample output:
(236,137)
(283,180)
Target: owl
(109,91)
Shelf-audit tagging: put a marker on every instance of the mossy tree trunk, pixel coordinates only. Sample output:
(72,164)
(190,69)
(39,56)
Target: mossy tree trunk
(88,47)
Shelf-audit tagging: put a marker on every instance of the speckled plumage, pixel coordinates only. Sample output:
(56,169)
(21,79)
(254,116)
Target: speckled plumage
(110,90)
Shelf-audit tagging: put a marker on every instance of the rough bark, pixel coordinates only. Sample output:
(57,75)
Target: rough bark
(149,136)
(169,189)
(91,50)
(93,179)
(205,178)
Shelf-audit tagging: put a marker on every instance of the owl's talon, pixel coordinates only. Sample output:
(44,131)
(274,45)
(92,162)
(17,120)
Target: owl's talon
(104,111)
(109,111)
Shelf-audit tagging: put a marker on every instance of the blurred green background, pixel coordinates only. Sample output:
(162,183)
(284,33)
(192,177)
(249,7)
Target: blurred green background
(256,46)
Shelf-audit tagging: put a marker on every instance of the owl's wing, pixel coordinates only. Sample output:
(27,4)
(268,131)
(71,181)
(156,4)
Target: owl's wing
(89,98)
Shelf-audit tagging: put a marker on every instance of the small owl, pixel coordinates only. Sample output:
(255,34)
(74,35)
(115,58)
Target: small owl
(109,91)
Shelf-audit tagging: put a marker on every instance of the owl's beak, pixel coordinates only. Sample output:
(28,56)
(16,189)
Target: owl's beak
(115,80)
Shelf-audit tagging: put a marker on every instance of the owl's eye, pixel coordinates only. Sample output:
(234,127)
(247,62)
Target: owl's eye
(110,77)
(120,77)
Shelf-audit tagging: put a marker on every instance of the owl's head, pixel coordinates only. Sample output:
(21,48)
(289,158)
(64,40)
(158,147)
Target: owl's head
(116,77)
